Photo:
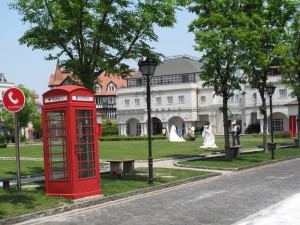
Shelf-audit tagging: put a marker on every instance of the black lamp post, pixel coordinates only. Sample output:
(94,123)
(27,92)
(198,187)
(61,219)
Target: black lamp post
(270,90)
(147,68)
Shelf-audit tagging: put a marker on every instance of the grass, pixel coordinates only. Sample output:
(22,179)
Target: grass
(8,168)
(138,150)
(247,159)
(14,203)
(111,186)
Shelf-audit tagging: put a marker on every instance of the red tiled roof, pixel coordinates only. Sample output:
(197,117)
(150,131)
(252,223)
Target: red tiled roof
(105,80)
(60,76)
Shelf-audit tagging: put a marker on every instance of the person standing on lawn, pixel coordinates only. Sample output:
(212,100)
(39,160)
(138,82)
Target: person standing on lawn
(234,133)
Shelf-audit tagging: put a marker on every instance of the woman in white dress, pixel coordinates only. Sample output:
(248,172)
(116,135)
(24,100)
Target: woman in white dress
(173,136)
(208,135)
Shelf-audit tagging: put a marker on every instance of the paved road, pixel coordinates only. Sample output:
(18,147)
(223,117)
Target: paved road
(220,200)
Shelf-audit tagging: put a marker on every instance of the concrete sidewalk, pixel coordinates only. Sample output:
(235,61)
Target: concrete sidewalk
(282,213)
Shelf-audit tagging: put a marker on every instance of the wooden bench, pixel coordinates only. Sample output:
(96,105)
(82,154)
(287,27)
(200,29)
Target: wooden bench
(123,166)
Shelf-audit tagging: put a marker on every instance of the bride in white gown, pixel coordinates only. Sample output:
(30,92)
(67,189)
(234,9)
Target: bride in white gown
(173,136)
(208,135)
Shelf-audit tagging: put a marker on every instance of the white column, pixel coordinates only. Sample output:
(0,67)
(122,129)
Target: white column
(187,126)
(262,126)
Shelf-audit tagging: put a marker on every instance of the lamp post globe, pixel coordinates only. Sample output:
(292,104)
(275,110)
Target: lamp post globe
(147,68)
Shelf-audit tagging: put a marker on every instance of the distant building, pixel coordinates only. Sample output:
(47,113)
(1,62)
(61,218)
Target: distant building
(4,85)
(178,98)
(105,95)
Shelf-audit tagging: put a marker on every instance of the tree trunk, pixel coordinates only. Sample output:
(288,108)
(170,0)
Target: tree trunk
(228,155)
(265,120)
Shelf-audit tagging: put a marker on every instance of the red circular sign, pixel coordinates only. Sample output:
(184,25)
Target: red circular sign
(13,99)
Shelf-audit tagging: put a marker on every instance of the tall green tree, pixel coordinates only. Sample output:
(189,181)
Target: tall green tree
(92,36)
(37,125)
(288,54)
(27,112)
(266,31)
(219,30)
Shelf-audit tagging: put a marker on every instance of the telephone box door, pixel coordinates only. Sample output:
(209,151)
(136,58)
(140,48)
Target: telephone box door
(86,148)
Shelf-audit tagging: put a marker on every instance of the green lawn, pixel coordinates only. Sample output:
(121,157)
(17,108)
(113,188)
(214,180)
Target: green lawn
(139,149)
(247,159)
(14,203)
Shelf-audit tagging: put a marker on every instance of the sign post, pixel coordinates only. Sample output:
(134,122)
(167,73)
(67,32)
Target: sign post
(13,101)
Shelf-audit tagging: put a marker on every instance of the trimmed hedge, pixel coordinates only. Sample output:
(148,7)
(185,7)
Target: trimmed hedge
(130,138)
(282,134)
(3,145)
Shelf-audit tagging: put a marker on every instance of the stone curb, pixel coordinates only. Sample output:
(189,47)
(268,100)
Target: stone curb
(237,169)
(88,203)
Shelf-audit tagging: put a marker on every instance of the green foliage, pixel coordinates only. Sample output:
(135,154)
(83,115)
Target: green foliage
(94,36)
(219,33)
(281,134)
(2,139)
(26,113)
(241,35)
(109,128)
(8,117)
(37,123)
(253,128)
(22,138)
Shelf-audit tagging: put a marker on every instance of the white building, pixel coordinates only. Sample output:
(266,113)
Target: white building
(178,98)
(4,85)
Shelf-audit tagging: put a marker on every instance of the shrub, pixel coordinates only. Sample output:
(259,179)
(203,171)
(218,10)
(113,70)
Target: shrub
(3,145)
(252,128)
(281,134)
(2,139)
(109,127)
(22,138)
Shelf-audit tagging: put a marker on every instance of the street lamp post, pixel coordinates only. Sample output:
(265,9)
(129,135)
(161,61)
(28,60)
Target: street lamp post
(270,90)
(147,69)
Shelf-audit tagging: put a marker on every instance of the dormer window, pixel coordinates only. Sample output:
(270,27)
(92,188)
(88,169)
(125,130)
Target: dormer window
(111,87)
(98,87)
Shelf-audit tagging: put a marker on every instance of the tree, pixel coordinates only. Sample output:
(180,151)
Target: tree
(94,35)
(8,117)
(288,54)
(109,127)
(27,112)
(37,125)
(239,34)
(267,31)
(219,32)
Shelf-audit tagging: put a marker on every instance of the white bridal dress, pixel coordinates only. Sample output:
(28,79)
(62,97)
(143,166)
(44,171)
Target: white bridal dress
(173,136)
(209,137)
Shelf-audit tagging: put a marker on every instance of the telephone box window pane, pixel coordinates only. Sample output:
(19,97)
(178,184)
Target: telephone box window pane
(57,145)
(85,144)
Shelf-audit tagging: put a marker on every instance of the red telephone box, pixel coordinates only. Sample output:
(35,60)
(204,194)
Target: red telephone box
(71,154)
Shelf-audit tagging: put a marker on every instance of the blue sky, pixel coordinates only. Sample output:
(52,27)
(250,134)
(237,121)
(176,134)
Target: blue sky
(22,65)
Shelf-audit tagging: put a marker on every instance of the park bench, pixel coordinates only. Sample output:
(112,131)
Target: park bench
(121,166)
